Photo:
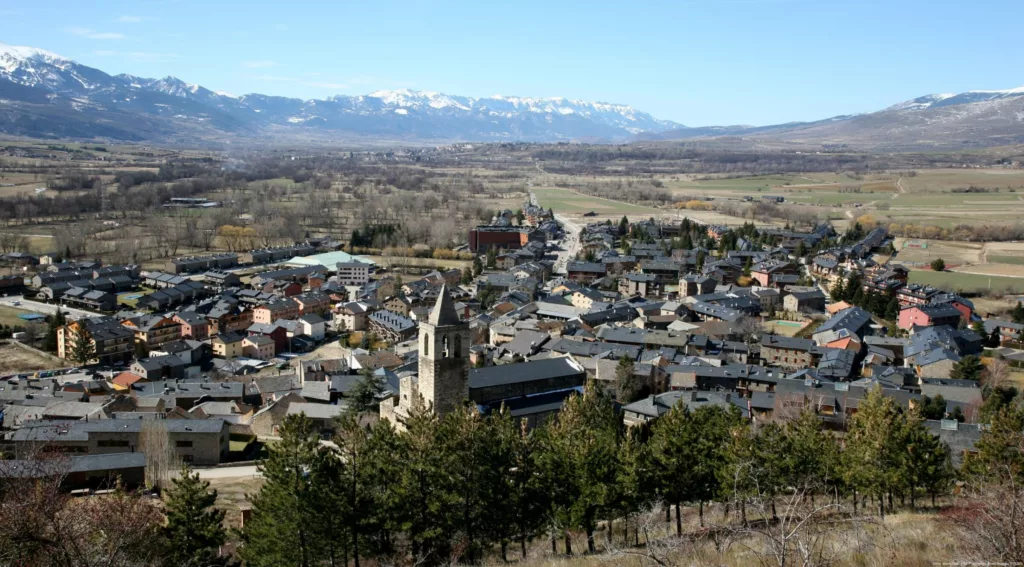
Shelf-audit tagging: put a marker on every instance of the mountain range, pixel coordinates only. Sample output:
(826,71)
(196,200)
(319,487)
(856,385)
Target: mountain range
(45,95)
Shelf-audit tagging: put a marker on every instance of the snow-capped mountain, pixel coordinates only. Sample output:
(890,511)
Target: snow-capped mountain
(44,94)
(948,99)
(964,120)
(70,99)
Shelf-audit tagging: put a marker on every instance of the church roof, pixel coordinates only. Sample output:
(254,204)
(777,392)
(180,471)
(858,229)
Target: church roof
(444,313)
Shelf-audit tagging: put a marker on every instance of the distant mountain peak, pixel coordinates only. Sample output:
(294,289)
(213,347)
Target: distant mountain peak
(19,52)
(953,99)
(119,105)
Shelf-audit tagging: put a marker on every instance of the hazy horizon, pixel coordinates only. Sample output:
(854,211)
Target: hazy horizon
(697,63)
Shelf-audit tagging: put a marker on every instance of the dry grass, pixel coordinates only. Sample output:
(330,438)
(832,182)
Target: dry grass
(915,539)
(231,493)
(16,359)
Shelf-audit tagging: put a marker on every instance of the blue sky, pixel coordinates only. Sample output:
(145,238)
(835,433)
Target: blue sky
(699,62)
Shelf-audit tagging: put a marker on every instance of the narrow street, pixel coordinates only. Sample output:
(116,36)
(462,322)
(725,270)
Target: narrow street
(20,302)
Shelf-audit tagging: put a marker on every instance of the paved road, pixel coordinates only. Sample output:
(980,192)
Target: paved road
(570,244)
(246,471)
(44,308)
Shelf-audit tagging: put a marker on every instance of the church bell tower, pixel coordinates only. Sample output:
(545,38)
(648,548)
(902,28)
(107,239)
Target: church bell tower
(444,343)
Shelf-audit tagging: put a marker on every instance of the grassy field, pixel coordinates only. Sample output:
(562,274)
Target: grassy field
(10,316)
(570,202)
(16,359)
(999,259)
(967,282)
(925,197)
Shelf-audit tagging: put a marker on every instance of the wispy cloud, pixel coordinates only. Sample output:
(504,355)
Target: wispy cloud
(93,34)
(274,78)
(329,86)
(129,19)
(258,64)
(325,85)
(135,55)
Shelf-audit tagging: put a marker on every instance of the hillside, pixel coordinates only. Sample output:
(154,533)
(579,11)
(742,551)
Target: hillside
(43,94)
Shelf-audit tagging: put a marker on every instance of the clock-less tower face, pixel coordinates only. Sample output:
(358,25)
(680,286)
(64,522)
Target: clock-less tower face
(444,357)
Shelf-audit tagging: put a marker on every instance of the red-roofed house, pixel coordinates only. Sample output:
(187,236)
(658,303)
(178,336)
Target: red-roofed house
(124,381)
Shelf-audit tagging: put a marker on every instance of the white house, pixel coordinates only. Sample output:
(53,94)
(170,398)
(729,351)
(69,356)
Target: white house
(353,273)
(312,326)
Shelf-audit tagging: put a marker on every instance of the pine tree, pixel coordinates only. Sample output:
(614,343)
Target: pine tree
(873,455)
(285,512)
(635,481)
(423,489)
(581,445)
(892,309)
(967,368)
(628,386)
(925,463)
(55,321)
(194,530)
(330,503)
(813,453)
(366,394)
(979,328)
(672,441)
(83,348)
(1017,313)
(466,442)
(380,511)
(519,500)
(838,291)
(691,449)
(713,427)
(998,455)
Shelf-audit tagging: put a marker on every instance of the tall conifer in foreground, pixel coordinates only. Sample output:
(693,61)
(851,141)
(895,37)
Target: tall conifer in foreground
(195,529)
(285,511)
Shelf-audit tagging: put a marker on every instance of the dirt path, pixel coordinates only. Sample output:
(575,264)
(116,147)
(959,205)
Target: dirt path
(899,185)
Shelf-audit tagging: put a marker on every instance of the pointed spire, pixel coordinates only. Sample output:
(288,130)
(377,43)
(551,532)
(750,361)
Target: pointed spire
(444,313)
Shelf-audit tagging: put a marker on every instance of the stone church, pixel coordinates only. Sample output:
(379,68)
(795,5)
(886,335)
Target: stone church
(443,380)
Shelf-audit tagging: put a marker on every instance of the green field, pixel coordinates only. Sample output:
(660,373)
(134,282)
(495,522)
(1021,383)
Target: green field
(966,282)
(9,316)
(1015,260)
(570,202)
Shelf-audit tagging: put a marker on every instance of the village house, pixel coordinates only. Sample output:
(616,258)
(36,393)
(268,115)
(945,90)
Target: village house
(193,325)
(929,316)
(113,342)
(227,345)
(152,331)
(270,312)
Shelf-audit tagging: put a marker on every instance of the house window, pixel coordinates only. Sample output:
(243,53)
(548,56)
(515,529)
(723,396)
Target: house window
(111,443)
(183,444)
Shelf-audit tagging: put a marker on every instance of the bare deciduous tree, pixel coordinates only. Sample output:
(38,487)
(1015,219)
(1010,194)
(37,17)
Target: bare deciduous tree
(162,462)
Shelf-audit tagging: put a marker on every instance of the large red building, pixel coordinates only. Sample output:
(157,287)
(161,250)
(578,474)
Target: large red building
(483,238)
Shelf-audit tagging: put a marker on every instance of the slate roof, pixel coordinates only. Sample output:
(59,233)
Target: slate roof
(530,371)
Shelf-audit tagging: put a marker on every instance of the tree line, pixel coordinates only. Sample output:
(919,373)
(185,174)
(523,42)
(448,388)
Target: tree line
(457,488)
